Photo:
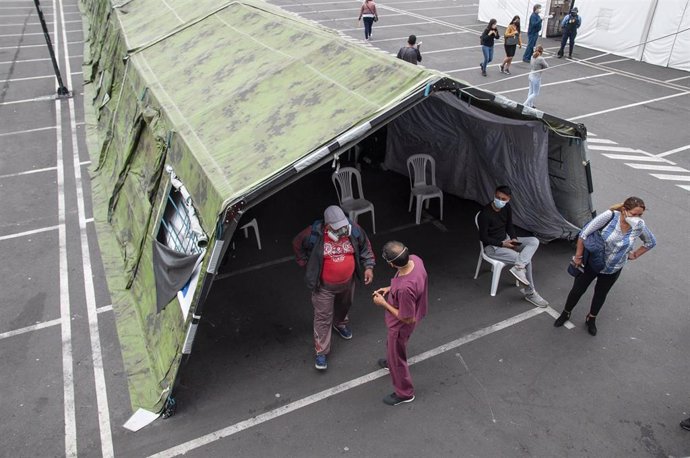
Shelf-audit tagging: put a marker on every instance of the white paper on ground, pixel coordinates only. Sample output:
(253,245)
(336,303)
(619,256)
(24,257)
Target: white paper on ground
(141,418)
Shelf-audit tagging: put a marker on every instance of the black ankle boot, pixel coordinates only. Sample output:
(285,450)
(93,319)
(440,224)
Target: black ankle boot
(590,321)
(562,319)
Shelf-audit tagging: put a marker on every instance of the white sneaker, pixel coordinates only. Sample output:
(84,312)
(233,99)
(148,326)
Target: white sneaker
(519,274)
(536,299)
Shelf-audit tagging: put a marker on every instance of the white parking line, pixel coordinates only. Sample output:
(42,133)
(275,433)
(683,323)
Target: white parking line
(27,131)
(630,105)
(658,168)
(45,98)
(558,82)
(89,289)
(568,324)
(28,78)
(25,233)
(387,26)
(599,140)
(330,392)
(617,149)
(677,79)
(34,327)
(671,177)
(628,157)
(684,186)
(674,151)
(28,172)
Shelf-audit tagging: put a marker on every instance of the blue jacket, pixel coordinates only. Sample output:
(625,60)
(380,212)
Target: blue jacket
(571,26)
(534,24)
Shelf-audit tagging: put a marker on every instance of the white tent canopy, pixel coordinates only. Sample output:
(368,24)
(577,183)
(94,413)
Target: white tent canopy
(653,31)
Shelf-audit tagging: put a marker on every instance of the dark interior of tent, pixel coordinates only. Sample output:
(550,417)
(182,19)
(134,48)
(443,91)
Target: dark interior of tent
(259,312)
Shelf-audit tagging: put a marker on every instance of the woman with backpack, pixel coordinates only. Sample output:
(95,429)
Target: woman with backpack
(368,12)
(620,228)
(487,41)
(512,41)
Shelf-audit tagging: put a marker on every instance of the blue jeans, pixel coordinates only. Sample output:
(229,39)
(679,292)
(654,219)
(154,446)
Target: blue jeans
(531,43)
(488,52)
(567,35)
(534,87)
(368,22)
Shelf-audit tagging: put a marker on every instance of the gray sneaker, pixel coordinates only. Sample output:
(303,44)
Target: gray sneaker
(520,274)
(536,299)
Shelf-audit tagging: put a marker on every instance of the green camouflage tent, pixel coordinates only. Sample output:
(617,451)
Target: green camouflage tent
(198,109)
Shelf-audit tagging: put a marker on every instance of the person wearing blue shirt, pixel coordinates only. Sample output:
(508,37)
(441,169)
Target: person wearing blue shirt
(532,33)
(620,228)
(570,24)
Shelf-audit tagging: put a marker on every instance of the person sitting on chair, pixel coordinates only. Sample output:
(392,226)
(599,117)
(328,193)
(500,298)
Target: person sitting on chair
(497,233)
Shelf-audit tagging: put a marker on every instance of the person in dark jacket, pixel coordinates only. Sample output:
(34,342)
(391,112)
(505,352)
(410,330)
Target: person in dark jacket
(570,25)
(487,40)
(532,33)
(410,53)
(333,251)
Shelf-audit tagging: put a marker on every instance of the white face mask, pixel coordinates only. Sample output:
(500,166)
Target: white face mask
(633,220)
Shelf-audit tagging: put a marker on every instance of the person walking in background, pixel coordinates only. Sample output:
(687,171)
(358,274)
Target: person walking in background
(368,13)
(512,41)
(334,252)
(620,227)
(489,34)
(410,53)
(537,65)
(570,25)
(533,30)
(405,302)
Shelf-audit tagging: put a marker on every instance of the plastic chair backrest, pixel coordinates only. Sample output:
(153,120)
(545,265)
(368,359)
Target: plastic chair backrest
(416,167)
(342,180)
(476,223)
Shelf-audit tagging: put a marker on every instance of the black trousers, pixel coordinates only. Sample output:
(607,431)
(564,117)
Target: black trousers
(601,289)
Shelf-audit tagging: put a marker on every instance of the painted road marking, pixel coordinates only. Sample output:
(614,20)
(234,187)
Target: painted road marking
(600,140)
(568,324)
(684,186)
(658,168)
(25,233)
(330,392)
(662,176)
(624,157)
(630,105)
(33,327)
(28,131)
(555,82)
(28,172)
(617,149)
(674,151)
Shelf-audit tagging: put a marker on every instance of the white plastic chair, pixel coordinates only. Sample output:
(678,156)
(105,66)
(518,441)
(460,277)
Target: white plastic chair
(342,180)
(419,188)
(253,224)
(496,266)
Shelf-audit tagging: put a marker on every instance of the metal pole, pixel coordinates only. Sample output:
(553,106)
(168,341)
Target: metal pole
(62,89)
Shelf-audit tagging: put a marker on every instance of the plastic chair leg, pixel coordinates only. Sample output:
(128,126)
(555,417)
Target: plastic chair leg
(409,207)
(441,204)
(479,264)
(418,217)
(373,222)
(497,268)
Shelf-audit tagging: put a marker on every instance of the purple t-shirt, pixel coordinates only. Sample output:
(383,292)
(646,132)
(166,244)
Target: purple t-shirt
(409,294)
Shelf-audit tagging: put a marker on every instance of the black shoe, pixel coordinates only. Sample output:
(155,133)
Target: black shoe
(685,424)
(560,321)
(393,399)
(383,363)
(590,321)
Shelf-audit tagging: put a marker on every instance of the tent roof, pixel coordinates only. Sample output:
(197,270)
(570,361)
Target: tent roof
(252,89)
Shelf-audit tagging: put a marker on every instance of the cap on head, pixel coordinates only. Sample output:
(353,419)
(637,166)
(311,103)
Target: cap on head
(412,40)
(574,10)
(334,217)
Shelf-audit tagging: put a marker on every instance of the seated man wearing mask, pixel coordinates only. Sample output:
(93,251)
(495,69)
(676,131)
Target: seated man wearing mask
(333,250)
(497,233)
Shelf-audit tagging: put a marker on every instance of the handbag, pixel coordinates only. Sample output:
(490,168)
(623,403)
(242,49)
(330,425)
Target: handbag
(575,271)
(376,19)
(596,249)
(512,41)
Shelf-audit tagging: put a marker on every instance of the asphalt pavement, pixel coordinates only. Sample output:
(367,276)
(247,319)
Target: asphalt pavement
(493,376)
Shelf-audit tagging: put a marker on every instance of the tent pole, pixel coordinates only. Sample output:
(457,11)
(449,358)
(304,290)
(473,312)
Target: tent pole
(62,89)
(647,28)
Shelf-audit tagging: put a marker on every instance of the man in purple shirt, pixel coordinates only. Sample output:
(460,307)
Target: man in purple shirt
(405,301)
